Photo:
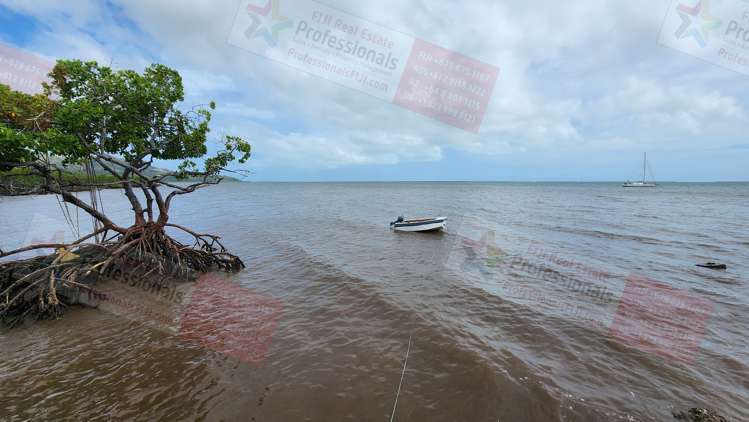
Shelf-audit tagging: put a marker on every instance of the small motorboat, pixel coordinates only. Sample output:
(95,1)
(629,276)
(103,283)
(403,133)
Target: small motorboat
(418,224)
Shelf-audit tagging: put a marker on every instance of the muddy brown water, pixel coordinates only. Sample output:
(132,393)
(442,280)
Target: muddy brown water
(515,313)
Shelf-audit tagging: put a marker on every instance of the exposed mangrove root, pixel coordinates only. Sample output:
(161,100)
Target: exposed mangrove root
(42,287)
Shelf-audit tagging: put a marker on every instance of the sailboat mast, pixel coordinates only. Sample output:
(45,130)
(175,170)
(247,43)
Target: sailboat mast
(644,162)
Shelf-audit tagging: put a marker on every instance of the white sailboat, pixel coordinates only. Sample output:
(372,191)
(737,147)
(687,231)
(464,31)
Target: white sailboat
(643,183)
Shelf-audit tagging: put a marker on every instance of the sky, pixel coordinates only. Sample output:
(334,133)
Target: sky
(583,90)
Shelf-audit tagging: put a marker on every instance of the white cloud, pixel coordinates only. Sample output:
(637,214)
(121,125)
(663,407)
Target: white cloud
(354,149)
(583,74)
(77,12)
(242,110)
(683,116)
(198,83)
(311,151)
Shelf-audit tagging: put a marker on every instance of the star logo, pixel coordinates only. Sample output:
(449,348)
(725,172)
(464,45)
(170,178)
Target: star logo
(271,23)
(697,22)
(482,253)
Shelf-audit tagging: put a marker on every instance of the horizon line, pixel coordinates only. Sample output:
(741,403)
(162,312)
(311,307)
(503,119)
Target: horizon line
(478,181)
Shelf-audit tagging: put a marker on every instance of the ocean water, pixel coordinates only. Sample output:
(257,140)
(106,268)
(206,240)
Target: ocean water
(539,302)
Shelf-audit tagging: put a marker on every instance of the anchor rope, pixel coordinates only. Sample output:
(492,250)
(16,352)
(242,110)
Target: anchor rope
(405,362)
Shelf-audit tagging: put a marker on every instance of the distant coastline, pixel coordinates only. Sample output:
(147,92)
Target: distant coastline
(494,181)
(19,182)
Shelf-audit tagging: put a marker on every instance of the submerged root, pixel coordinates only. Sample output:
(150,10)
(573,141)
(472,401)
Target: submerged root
(42,287)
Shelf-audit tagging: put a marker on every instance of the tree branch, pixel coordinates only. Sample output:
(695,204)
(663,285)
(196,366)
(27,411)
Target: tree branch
(149,203)
(189,189)
(51,245)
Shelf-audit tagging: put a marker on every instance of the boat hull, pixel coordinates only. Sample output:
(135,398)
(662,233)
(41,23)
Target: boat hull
(639,185)
(421,226)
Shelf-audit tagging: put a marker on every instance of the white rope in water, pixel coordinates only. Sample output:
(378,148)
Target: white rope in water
(66,214)
(75,228)
(405,362)
(93,190)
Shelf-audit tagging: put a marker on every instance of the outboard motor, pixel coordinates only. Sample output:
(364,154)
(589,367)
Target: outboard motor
(399,220)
